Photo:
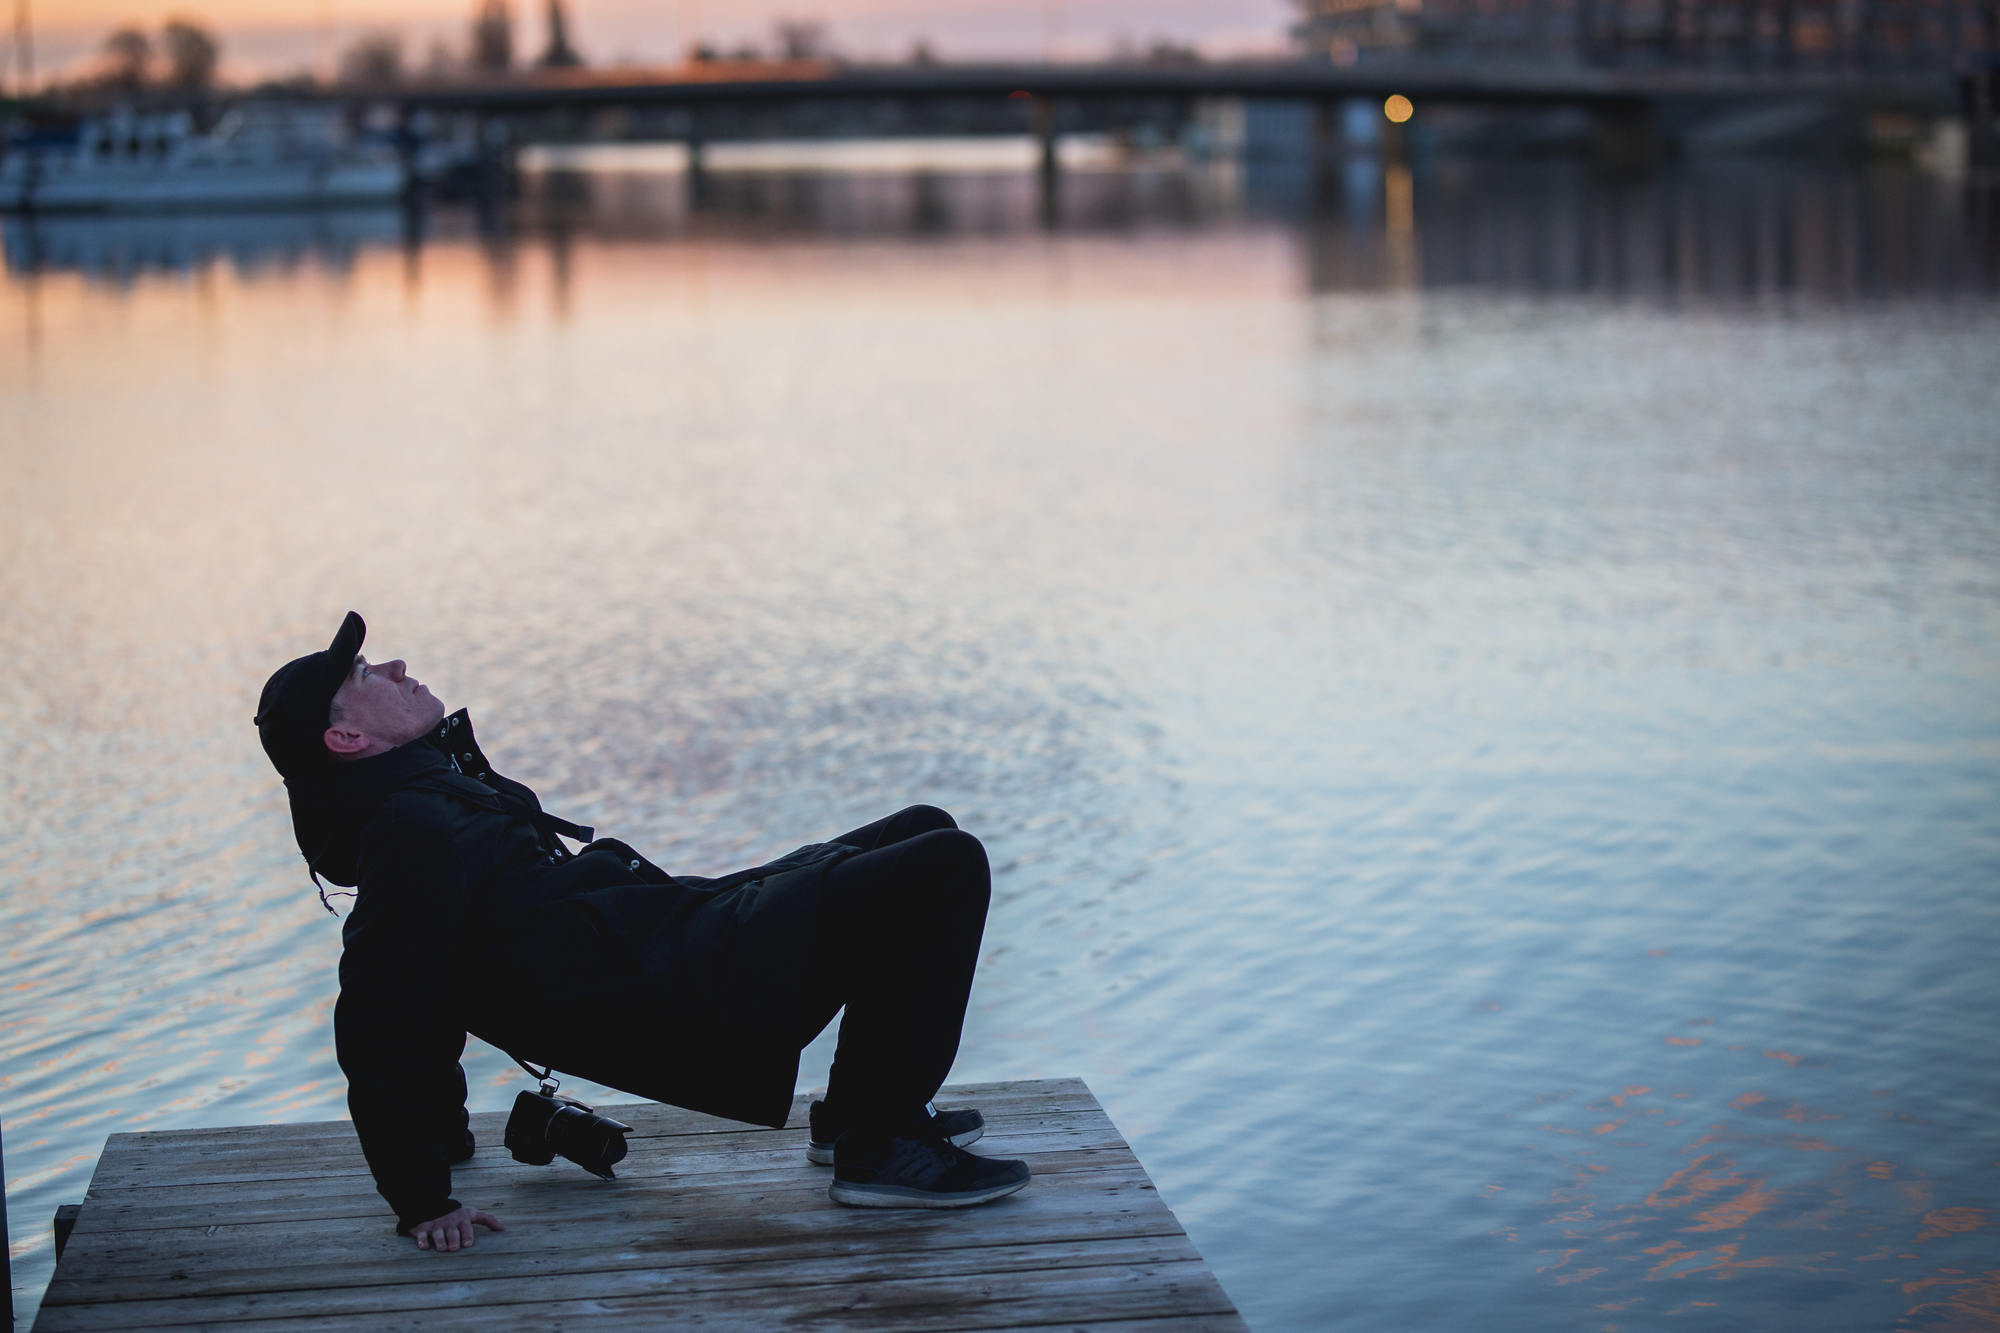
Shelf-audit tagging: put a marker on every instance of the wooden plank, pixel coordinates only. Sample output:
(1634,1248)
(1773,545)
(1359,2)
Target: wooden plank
(355,1196)
(497,1172)
(994,1100)
(711,1223)
(1198,1323)
(245,1163)
(1115,1201)
(133,1160)
(1109,1193)
(492,1165)
(279,1266)
(344,1157)
(1127,1291)
(689,1275)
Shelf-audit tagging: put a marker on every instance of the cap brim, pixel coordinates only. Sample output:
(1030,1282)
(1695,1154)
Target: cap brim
(340,653)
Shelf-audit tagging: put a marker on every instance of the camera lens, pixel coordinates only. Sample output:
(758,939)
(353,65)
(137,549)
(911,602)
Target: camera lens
(594,1142)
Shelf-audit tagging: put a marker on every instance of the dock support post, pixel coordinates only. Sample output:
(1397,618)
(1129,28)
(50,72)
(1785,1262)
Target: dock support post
(6,1251)
(66,1215)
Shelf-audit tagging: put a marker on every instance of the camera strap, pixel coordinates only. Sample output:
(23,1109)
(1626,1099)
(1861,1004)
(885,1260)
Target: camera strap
(546,1075)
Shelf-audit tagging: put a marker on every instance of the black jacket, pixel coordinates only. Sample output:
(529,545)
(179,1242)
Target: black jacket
(472,916)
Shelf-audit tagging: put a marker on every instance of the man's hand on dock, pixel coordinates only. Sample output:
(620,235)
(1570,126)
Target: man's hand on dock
(453,1230)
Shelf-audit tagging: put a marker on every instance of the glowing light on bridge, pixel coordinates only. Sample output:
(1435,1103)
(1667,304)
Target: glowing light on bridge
(1398,108)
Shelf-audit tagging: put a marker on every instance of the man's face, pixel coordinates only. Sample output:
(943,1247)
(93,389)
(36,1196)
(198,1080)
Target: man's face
(377,708)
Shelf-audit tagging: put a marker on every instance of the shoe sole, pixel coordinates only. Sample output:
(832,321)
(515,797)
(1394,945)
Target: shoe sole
(902,1196)
(821,1154)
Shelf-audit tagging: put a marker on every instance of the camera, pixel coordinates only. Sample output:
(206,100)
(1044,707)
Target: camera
(544,1126)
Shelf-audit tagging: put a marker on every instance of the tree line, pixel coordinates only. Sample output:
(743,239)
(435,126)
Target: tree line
(378,60)
(186,54)
(184,57)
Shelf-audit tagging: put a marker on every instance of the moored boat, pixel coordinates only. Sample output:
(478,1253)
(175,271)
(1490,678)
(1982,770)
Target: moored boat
(256,156)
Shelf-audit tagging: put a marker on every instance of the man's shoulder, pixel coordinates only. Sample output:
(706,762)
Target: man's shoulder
(436,796)
(410,807)
(434,812)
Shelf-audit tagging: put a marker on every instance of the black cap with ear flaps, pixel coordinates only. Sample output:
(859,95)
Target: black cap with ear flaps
(292,712)
(292,720)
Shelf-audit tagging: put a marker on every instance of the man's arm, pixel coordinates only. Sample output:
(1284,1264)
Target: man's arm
(399,1026)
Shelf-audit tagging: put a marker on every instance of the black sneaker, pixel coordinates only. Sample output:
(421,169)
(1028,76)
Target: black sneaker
(960,1127)
(912,1172)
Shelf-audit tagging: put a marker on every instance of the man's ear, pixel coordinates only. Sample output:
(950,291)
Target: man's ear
(341,740)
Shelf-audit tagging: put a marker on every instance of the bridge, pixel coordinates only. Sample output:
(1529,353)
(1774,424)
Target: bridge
(1627,104)
(765,83)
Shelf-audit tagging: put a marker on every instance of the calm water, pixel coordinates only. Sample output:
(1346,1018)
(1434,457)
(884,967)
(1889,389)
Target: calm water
(1482,687)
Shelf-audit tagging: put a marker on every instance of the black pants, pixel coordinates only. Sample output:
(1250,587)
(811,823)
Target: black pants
(899,928)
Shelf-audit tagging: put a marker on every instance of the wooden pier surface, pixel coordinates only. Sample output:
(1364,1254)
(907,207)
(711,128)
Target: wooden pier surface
(709,1223)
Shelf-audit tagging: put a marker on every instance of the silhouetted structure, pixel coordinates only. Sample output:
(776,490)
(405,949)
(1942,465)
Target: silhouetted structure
(192,53)
(128,58)
(799,39)
(558,54)
(375,61)
(493,37)
(1744,34)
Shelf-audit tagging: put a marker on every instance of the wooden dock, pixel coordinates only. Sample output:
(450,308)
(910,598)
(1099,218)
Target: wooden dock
(710,1222)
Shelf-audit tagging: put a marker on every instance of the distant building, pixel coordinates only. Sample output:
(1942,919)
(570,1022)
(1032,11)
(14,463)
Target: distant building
(1881,35)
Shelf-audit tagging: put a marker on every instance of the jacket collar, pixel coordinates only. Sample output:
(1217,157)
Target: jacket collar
(453,738)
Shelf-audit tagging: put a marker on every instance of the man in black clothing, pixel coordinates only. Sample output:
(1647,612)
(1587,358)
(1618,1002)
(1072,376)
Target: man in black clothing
(474,916)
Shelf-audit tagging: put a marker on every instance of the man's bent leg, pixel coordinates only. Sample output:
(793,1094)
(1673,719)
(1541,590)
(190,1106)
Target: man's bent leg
(899,939)
(905,823)
(900,929)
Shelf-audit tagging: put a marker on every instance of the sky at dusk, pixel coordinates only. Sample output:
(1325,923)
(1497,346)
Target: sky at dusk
(265,37)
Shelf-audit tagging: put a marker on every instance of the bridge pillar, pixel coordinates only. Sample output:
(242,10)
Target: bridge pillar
(1626,136)
(1394,145)
(1980,97)
(697,163)
(412,127)
(498,163)
(1328,132)
(1042,124)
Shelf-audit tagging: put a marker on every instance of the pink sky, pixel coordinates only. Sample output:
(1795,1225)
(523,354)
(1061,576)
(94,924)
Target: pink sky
(262,37)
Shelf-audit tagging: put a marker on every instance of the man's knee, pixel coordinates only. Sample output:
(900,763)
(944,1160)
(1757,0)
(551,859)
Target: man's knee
(959,863)
(924,819)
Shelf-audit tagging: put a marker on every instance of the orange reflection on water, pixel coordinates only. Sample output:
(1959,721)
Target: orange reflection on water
(1973,1302)
(1697,1180)
(1742,1200)
(1722,1261)
(1735,1212)
(1951,1222)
